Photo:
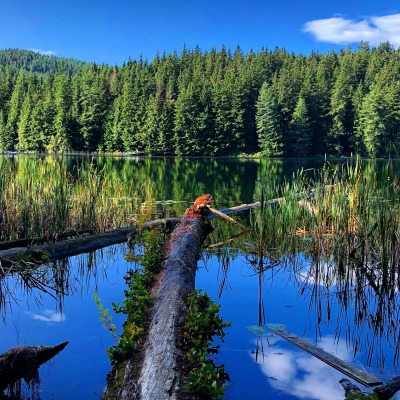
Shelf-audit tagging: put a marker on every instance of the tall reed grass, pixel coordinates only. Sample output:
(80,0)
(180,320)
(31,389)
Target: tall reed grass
(40,197)
(353,216)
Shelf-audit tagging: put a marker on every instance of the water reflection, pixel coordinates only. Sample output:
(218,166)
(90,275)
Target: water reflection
(47,315)
(338,310)
(53,303)
(297,373)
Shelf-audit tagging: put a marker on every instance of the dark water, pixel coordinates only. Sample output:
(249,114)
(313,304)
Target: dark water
(315,305)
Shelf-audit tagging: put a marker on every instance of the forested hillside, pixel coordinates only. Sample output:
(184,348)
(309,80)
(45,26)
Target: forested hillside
(36,62)
(205,103)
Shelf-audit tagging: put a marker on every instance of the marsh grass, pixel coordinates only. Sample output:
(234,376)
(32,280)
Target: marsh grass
(40,197)
(353,216)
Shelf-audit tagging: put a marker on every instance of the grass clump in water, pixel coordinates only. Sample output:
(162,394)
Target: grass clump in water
(39,197)
(348,213)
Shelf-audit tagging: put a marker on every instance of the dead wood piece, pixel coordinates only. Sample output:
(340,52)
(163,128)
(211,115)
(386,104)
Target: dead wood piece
(68,248)
(158,377)
(349,388)
(26,242)
(328,358)
(23,362)
(389,389)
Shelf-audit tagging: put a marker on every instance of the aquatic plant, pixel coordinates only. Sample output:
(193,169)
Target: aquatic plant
(203,378)
(349,214)
(40,197)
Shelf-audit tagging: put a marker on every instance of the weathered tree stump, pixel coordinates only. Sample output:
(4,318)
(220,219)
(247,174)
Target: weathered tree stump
(23,363)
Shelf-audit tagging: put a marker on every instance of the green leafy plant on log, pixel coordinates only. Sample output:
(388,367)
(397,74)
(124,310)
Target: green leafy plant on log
(204,379)
(138,300)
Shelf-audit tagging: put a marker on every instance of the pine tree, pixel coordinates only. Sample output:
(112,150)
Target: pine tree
(372,128)
(269,136)
(61,139)
(10,131)
(301,129)
(342,108)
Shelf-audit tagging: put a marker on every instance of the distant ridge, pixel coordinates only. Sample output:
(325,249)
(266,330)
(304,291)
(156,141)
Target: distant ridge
(32,61)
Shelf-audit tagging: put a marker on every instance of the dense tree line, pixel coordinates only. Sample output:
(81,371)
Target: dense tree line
(206,103)
(36,62)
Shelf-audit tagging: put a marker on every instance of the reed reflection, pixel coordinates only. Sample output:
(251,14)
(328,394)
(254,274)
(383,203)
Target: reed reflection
(31,283)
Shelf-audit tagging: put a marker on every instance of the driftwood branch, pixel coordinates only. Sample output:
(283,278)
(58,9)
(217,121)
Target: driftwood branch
(28,242)
(23,362)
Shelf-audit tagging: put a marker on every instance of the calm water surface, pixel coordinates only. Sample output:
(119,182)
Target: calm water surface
(329,313)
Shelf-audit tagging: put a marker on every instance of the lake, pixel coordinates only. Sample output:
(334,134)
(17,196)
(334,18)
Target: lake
(340,314)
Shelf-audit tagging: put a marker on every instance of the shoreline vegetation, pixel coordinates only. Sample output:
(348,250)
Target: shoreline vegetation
(214,103)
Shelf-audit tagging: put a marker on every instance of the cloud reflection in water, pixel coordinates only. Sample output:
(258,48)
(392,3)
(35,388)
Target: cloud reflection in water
(299,374)
(48,316)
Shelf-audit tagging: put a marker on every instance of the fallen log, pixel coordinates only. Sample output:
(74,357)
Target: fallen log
(23,363)
(388,389)
(28,242)
(68,248)
(328,358)
(158,376)
(382,392)
(258,204)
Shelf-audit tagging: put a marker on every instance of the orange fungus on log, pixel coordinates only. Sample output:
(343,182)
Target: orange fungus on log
(200,206)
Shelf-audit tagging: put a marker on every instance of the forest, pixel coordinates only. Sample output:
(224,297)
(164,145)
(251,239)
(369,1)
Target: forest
(216,102)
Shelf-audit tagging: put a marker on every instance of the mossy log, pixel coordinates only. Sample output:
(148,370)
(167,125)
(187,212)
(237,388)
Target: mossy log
(158,376)
(23,363)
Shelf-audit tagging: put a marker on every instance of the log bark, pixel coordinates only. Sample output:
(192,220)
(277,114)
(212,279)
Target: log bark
(23,362)
(10,244)
(158,377)
(383,392)
(349,388)
(389,389)
(72,247)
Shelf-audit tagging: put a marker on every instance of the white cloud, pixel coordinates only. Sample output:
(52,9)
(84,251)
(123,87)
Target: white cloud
(301,375)
(339,30)
(44,52)
(48,316)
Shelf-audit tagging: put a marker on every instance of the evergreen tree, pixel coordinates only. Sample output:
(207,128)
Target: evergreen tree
(342,110)
(8,140)
(270,138)
(372,127)
(301,129)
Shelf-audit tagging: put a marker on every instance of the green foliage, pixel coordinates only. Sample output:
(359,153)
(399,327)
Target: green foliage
(211,103)
(138,300)
(36,62)
(202,323)
(105,318)
(270,137)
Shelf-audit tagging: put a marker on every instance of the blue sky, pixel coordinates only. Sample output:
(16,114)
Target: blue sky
(111,31)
